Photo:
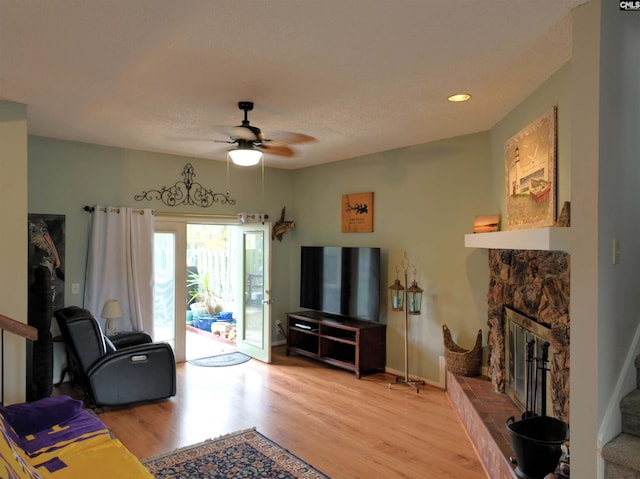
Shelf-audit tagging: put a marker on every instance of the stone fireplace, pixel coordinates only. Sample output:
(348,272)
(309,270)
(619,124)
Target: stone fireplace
(536,284)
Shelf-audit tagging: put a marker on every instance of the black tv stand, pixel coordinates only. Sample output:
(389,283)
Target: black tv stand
(347,343)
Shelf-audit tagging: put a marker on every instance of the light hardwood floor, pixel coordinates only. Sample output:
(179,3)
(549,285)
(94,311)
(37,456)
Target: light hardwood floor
(347,428)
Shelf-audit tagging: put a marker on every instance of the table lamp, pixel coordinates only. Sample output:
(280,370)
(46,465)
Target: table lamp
(111,311)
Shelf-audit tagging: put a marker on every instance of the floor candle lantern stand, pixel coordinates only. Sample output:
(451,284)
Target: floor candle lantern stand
(408,300)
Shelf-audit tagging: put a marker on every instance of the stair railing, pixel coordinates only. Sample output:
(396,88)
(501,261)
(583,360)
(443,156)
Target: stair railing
(16,327)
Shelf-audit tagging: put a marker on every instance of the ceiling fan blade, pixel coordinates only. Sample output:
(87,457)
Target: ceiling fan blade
(250,133)
(278,150)
(290,137)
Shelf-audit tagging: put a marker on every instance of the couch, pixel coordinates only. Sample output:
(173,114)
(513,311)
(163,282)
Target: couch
(57,438)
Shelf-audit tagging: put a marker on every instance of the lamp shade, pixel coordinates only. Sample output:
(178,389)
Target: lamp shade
(111,309)
(245,156)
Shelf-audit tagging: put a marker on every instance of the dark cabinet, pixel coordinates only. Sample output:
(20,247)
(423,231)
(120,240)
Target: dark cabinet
(351,344)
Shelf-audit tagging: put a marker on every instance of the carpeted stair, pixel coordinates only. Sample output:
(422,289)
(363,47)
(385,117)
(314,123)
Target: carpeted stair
(622,455)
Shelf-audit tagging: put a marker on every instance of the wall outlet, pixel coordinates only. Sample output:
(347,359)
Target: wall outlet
(278,323)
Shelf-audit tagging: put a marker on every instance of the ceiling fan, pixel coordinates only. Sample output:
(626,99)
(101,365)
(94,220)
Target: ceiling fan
(251,143)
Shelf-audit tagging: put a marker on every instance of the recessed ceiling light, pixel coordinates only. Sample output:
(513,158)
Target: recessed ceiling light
(459,97)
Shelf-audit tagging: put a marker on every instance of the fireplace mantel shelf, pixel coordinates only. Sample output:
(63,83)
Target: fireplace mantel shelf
(541,239)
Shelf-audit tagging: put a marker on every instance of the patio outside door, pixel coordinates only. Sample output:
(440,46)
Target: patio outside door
(247,279)
(254,318)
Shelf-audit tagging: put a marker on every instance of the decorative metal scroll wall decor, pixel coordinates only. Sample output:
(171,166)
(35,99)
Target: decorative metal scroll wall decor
(181,194)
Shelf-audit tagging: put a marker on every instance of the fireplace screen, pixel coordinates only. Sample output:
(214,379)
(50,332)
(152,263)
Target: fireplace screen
(527,377)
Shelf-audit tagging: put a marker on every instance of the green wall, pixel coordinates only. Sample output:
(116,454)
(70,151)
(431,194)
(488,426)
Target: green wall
(556,91)
(425,199)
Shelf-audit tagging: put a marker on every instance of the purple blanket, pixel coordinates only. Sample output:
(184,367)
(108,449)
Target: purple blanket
(51,423)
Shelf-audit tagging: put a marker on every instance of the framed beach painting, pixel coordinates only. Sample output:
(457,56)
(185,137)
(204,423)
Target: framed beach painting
(530,174)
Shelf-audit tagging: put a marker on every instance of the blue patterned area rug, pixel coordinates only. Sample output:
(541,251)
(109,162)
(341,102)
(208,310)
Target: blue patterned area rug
(239,455)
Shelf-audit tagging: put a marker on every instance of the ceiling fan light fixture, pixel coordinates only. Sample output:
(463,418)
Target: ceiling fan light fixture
(245,156)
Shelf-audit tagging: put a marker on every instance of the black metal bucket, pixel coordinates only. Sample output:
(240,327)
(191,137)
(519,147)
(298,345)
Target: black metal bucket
(536,442)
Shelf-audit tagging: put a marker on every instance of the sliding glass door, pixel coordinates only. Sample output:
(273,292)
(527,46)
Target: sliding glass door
(169,276)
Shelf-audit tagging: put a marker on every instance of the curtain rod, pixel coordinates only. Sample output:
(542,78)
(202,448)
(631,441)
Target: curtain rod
(91,209)
(196,215)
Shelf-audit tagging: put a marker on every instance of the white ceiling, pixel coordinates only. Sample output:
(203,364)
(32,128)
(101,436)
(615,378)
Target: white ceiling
(362,76)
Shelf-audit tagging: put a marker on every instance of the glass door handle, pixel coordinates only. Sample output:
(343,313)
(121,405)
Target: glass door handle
(268,299)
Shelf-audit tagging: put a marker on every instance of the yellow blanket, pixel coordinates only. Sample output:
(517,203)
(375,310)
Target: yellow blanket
(95,456)
(98,458)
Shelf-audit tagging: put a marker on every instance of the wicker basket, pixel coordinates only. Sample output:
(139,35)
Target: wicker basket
(462,362)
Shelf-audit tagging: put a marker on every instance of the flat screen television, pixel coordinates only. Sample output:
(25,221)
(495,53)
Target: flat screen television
(343,281)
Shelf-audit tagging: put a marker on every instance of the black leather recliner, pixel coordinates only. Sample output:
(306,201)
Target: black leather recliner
(129,369)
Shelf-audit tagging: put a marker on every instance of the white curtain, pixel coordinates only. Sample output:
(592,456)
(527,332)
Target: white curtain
(120,265)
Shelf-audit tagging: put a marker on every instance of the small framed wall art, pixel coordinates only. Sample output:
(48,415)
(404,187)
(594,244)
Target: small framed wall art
(357,213)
